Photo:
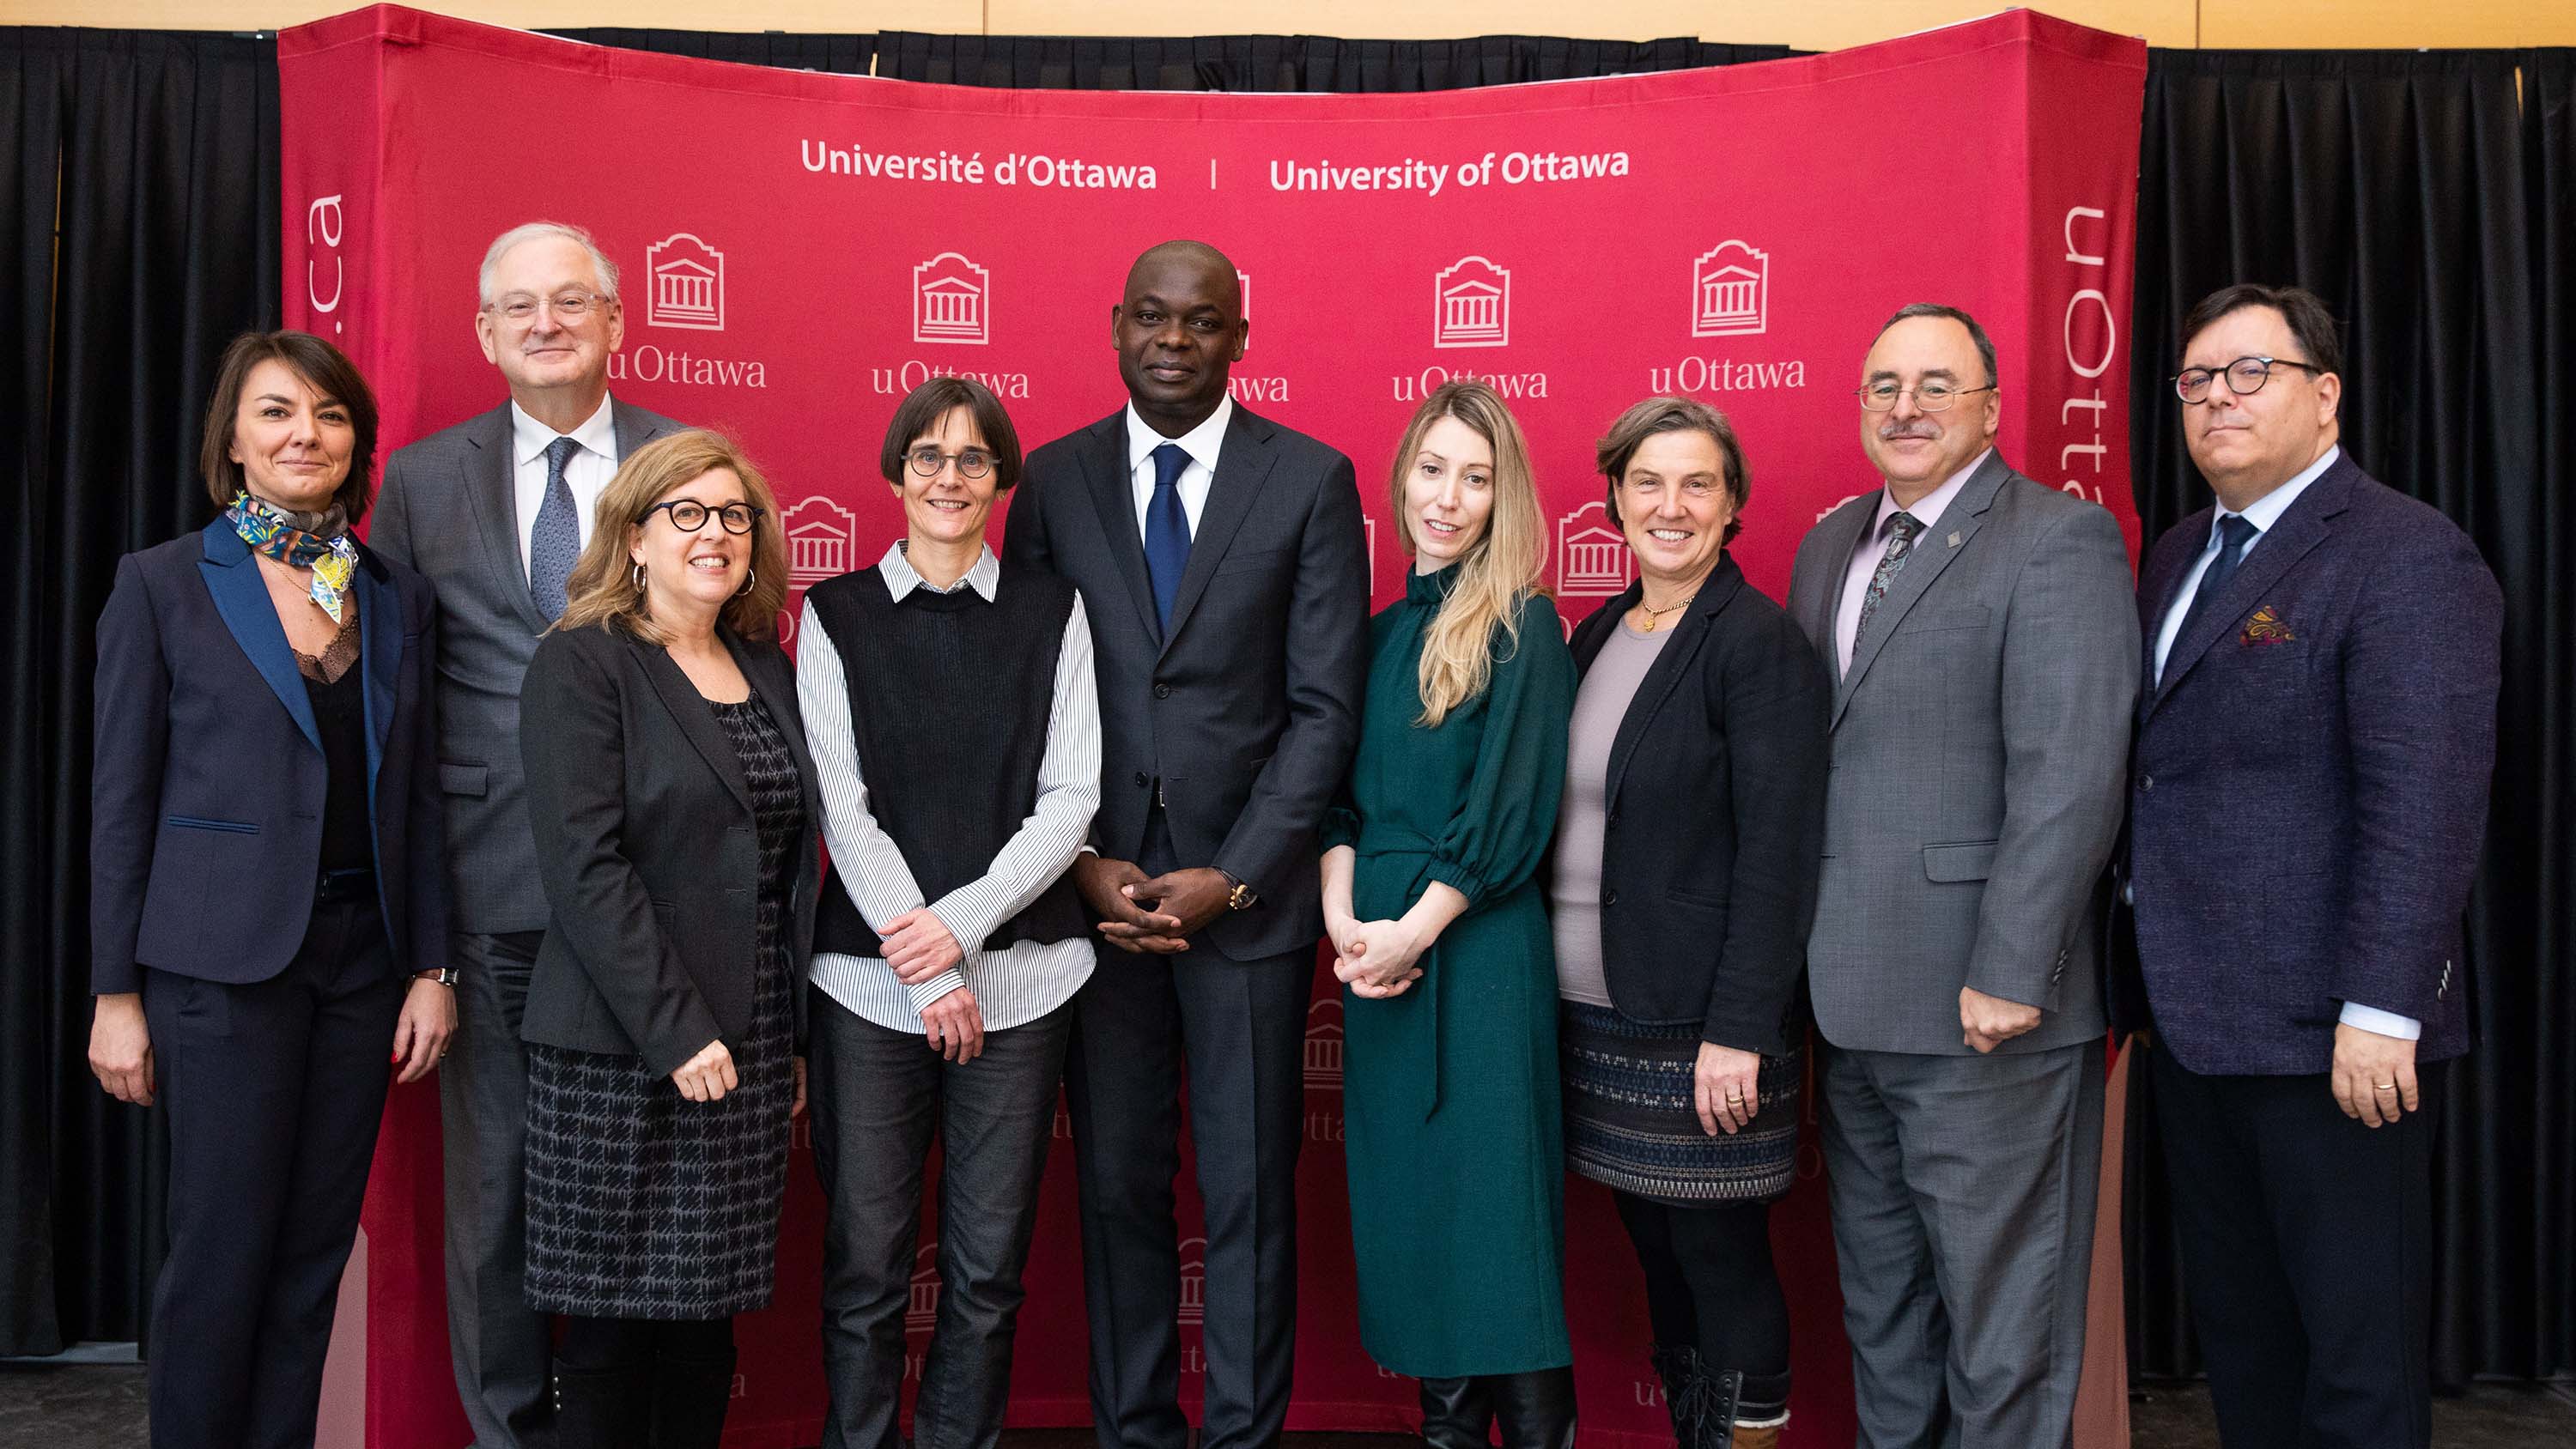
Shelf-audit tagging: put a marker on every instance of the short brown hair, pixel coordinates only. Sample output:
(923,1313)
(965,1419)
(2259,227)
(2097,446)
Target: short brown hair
(1673,415)
(928,403)
(2312,324)
(325,369)
(603,589)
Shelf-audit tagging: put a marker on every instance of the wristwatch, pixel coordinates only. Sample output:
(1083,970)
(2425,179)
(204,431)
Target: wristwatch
(1241,896)
(443,975)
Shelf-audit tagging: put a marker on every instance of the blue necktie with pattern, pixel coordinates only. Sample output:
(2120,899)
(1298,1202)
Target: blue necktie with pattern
(555,541)
(1167,532)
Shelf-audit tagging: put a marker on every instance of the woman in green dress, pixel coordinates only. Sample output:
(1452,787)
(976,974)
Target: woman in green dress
(1440,933)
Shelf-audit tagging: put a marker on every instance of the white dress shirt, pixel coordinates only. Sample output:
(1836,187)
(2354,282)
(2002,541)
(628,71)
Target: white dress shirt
(586,473)
(1927,510)
(1202,443)
(2263,512)
(1021,982)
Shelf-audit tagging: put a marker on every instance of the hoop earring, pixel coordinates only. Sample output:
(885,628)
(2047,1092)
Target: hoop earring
(635,575)
(749,577)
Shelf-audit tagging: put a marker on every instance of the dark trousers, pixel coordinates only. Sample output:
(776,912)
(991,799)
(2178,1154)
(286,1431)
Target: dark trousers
(503,1351)
(2307,1245)
(629,1383)
(273,1090)
(1711,1285)
(878,1095)
(1235,1031)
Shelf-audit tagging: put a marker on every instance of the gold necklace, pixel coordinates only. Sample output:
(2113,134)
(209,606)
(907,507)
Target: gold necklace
(1652,614)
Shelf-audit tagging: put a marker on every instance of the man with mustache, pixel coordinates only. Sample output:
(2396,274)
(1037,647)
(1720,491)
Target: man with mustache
(1224,570)
(494,510)
(1979,629)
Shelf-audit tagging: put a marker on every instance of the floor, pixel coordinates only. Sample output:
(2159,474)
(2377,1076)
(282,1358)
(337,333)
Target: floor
(100,1406)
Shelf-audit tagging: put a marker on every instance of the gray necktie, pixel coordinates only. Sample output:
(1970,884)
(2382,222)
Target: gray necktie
(556,540)
(1900,543)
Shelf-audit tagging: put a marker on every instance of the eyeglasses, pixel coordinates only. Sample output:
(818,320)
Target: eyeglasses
(1931,397)
(689,515)
(971,462)
(2245,376)
(571,306)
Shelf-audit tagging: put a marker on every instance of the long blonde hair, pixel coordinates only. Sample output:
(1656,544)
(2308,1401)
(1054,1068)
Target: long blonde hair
(603,588)
(1501,568)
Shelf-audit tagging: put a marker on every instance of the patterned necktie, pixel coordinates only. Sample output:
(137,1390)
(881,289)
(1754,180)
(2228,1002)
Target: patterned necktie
(1167,531)
(556,540)
(2233,534)
(1900,543)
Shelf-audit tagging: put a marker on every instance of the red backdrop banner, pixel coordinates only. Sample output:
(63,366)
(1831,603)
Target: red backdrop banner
(799,250)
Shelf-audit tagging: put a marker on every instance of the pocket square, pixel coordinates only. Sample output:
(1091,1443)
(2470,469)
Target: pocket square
(2265,628)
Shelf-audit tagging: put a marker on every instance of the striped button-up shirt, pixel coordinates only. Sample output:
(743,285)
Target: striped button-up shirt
(1012,986)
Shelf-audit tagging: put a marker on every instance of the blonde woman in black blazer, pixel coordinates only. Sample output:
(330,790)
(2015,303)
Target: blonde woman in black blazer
(674,808)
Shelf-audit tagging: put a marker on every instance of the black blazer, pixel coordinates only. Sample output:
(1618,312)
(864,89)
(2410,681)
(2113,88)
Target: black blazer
(1248,713)
(207,790)
(1716,815)
(647,848)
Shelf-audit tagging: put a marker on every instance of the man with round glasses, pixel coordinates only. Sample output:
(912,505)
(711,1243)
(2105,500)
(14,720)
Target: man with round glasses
(2307,800)
(494,510)
(1980,629)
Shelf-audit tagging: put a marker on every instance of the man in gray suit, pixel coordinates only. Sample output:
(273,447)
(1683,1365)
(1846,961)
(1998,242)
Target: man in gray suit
(1986,653)
(494,510)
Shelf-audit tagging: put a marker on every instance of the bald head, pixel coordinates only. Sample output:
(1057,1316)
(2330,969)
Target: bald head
(1192,256)
(1179,330)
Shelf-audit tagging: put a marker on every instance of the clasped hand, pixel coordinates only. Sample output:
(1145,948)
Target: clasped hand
(1153,914)
(1376,959)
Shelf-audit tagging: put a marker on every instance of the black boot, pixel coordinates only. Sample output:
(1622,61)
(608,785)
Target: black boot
(1703,1406)
(1457,1413)
(1535,1410)
(690,1398)
(600,1408)
(1672,1370)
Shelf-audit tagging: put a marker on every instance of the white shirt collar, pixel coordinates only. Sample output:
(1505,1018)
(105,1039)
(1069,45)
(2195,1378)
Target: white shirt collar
(2265,511)
(528,437)
(1927,510)
(1201,442)
(984,576)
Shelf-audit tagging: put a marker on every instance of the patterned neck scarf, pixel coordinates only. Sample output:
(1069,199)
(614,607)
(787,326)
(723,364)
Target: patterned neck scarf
(316,541)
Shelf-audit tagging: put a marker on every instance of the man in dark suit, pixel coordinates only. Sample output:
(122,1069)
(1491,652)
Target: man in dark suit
(1223,565)
(494,510)
(2307,800)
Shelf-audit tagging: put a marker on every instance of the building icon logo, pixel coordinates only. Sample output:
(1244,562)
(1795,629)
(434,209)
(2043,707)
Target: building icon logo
(1471,305)
(822,540)
(1193,1280)
(1730,291)
(1592,559)
(951,300)
(921,1307)
(1324,1044)
(686,282)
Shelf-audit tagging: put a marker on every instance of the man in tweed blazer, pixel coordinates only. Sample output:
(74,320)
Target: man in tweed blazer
(2310,789)
(492,510)
(1980,629)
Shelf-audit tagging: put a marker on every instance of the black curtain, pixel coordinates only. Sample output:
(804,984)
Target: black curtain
(138,171)
(1283,62)
(2427,198)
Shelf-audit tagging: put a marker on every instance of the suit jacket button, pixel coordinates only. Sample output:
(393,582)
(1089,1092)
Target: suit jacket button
(1162,691)
(1141,781)
(1609,898)
(2146,782)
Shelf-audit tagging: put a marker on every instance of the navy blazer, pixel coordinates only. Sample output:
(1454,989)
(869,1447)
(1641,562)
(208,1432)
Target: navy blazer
(2308,790)
(207,791)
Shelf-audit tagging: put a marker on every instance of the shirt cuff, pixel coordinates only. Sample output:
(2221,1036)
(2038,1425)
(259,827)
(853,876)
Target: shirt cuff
(2386,1023)
(926,992)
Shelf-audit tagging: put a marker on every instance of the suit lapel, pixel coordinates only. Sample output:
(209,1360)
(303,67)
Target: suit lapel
(1824,602)
(2273,554)
(697,718)
(492,496)
(241,599)
(1112,483)
(1932,552)
(634,428)
(1593,634)
(1242,465)
(379,656)
(1671,663)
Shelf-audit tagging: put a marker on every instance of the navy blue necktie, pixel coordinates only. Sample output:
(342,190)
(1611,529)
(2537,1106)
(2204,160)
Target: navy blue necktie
(555,541)
(1167,531)
(2233,535)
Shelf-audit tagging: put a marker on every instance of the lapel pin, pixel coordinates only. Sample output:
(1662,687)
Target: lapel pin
(1954,538)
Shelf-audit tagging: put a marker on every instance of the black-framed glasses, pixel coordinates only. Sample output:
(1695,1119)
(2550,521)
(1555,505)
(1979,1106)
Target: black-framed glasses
(1935,396)
(2245,376)
(571,304)
(971,462)
(688,515)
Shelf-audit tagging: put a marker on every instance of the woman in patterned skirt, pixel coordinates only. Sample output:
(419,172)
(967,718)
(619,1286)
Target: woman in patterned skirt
(674,808)
(1685,880)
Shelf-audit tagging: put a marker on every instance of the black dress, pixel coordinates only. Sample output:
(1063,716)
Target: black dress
(642,1204)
